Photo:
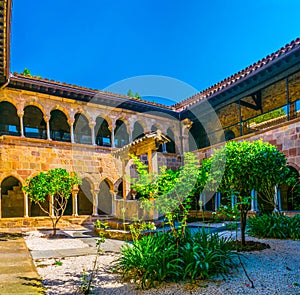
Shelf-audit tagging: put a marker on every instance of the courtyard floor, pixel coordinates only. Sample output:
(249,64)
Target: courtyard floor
(60,263)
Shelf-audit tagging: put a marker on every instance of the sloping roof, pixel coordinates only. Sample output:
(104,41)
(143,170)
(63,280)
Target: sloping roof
(86,94)
(156,137)
(241,75)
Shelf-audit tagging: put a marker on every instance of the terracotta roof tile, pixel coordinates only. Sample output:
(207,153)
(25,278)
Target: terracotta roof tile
(205,94)
(91,91)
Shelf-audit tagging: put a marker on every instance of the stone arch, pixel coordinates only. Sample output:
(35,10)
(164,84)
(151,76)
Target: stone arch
(85,197)
(12,174)
(63,110)
(9,119)
(84,113)
(118,188)
(36,104)
(82,129)
(102,132)
(229,135)
(155,127)
(121,133)
(138,130)
(34,122)
(10,100)
(59,126)
(197,136)
(12,197)
(105,196)
(170,146)
(295,166)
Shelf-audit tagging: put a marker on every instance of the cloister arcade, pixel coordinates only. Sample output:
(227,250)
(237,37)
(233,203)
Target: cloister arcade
(33,122)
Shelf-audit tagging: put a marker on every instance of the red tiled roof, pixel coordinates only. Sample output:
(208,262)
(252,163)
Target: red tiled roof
(86,90)
(236,78)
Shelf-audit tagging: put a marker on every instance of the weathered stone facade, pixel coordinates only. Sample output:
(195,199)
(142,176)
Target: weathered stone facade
(46,124)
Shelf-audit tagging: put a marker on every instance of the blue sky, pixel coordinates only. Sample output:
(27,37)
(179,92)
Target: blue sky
(95,43)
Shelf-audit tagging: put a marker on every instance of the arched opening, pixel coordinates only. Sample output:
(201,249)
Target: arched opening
(197,137)
(121,134)
(104,198)
(290,194)
(153,129)
(34,123)
(59,127)
(9,120)
(138,131)
(229,134)
(120,191)
(12,198)
(103,134)
(170,146)
(82,130)
(85,198)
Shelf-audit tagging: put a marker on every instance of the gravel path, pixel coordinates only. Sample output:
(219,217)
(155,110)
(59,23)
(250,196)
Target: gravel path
(274,271)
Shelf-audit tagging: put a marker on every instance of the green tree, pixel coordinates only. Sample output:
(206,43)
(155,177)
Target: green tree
(136,95)
(172,190)
(26,73)
(248,165)
(55,185)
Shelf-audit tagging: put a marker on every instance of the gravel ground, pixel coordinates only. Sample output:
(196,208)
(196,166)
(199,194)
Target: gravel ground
(274,271)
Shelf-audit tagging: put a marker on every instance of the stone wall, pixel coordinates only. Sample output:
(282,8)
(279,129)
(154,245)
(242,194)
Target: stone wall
(285,136)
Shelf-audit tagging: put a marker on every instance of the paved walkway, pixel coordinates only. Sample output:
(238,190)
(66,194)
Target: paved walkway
(85,236)
(18,274)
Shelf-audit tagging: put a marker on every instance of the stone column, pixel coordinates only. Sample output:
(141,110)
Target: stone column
(21,123)
(71,123)
(26,205)
(164,147)
(113,207)
(277,201)
(95,202)
(184,134)
(129,131)
(92,126)
(47,120)
(75,191)
(254,206)
(112,131)
(217,200)
(202,202)
(185,143)
(154,161)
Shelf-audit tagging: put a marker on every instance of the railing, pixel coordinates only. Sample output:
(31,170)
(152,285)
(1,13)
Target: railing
(7,129)
(254,124)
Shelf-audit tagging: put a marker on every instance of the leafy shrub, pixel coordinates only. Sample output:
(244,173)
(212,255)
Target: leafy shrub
(151,259)
(161,257)
(276,226)
(205,254)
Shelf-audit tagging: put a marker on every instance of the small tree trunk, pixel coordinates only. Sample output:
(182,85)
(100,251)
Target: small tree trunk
(243,226)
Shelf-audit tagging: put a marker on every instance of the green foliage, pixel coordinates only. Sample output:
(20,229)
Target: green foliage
(172,190)
(158,258)
(248,165)
(276,226)
(57,184)
(26,73)
(136,95)
(137,227)
(100,224)
(86,286)
(268,116)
